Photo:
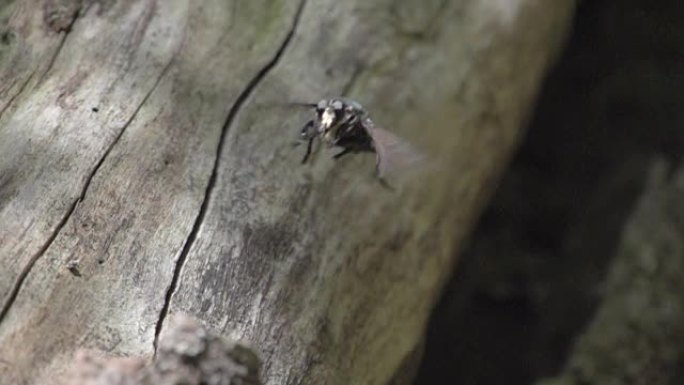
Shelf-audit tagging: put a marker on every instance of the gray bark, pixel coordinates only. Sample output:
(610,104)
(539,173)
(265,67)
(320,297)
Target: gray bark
(146,169)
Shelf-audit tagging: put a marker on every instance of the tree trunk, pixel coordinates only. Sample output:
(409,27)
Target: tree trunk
(146,169)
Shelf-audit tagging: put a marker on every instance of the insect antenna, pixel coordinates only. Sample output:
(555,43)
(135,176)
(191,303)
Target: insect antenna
(294,104)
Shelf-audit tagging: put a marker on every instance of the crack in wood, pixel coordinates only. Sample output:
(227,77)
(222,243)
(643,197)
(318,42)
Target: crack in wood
(16,287)
(199,219)
(16,95)
(61,23)
(60,15)
(67,30)
(53,59)
(51,63)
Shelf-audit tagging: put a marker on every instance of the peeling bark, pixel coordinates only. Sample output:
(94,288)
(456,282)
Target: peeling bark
(188,355)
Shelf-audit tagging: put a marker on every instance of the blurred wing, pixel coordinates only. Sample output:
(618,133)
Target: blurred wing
(394,154)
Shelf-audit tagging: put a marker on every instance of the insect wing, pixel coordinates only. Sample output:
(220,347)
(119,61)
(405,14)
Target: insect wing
(394,154)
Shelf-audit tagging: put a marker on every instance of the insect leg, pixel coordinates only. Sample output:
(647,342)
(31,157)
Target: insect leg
(308,150)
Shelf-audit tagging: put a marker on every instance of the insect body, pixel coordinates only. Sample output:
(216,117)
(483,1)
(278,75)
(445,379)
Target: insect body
(344,123)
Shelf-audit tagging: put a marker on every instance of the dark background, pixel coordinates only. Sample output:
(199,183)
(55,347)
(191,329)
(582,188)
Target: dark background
(529,281)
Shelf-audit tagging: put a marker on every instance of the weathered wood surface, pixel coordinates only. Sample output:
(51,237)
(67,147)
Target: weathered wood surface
(145,143)
(187,354)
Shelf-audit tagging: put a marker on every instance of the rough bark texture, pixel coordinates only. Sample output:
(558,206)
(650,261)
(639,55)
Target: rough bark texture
(146,169)
(188,354)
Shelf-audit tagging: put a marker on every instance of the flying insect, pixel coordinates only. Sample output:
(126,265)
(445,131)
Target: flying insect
(344,123)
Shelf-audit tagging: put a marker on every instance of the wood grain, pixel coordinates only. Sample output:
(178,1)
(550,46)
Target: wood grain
(146,145)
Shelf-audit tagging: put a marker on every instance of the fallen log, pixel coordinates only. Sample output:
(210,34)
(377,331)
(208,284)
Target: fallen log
(146,169)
